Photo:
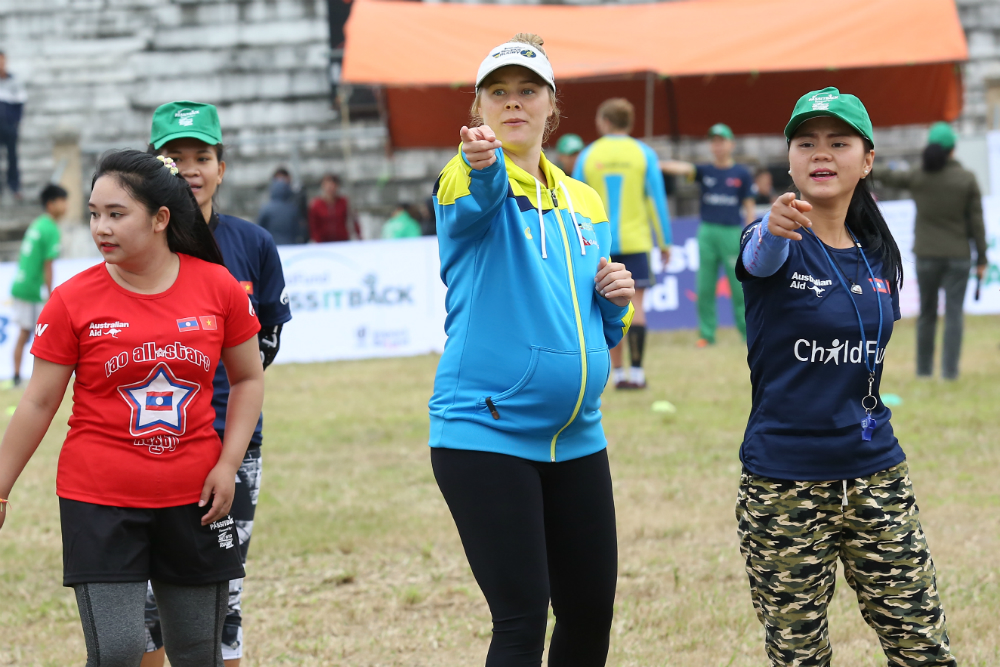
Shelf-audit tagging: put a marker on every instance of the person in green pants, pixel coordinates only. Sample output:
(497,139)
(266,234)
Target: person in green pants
(727,205)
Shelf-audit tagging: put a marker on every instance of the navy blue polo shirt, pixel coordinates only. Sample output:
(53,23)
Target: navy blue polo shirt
(723,192)
(252,258)
(806,366)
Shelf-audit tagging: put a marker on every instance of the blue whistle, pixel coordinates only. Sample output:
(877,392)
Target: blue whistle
(868,425)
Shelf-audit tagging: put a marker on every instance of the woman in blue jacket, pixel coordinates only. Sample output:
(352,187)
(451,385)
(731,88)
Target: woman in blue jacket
(824,478)
(533,307)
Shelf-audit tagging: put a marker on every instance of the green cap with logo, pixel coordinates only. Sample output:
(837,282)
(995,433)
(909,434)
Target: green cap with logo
(177,120)
(721,130)
(569,144)
(830,102)
(942,134)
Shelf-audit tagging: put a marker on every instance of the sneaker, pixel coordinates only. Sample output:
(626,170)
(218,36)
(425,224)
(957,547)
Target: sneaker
(703,343)
(628,384)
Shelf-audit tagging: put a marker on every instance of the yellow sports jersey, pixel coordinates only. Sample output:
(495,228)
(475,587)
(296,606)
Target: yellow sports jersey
(626,174)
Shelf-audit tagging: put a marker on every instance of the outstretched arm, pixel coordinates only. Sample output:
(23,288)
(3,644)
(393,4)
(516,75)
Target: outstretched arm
(468,195)
(767,250)
(31,420)
(677,168)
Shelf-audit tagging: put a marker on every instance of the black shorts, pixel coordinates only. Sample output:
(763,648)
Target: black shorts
(638,264)
(103,544)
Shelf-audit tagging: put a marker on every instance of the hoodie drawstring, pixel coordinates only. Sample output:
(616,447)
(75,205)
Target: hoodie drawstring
(843,501)
(572,212)
(541,220)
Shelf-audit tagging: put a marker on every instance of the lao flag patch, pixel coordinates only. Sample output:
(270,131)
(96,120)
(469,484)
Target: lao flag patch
(160,401)
(208,322)
(881,285)
(188,324)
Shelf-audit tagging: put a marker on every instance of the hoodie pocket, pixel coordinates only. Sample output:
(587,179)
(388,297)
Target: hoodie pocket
(542,400)
(598,373)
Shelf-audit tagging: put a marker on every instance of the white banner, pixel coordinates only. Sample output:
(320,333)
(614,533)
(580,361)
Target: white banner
(362,299)
(349,301)
(900,216)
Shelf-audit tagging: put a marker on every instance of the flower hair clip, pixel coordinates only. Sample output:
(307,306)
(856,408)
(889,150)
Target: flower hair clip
(169,164)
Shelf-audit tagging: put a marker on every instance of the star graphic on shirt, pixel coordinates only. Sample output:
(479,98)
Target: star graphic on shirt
(159,403)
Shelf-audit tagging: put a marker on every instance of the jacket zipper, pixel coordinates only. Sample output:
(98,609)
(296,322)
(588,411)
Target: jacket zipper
(579,327)
(492,407)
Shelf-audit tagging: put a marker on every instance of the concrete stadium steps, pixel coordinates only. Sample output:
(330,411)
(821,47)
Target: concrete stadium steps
(100,68)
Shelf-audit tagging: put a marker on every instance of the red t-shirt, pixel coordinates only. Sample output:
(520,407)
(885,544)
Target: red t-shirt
(328,222)
(141,431)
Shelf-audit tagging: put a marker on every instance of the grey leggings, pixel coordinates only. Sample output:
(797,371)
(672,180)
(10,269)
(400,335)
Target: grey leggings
(115,631)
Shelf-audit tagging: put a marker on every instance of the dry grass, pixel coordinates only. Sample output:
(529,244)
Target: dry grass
(355,560)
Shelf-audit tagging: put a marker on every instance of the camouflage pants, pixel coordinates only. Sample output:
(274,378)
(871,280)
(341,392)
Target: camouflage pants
(793,533)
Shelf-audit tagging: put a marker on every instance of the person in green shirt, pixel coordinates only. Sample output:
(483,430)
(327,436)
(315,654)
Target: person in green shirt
(34,268)
(727,203)
(401,225)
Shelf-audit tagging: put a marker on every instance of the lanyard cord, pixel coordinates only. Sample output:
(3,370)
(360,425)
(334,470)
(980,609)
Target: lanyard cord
(857,267)
(861,325)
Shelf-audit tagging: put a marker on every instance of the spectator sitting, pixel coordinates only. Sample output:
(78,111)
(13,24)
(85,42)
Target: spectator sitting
(280,215)
(401,225)
(12,99)
(330,215)
(34,268)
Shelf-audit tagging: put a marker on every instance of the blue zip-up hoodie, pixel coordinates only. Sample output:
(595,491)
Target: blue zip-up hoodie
(526,359)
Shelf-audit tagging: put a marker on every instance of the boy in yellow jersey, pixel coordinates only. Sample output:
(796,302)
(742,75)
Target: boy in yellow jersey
(626,174)
(727,204)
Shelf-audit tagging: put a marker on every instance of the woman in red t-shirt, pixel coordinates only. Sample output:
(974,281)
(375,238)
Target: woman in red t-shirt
(144,483)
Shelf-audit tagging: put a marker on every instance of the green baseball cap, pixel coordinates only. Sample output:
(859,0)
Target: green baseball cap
(830,102)
(176,120)
(942,134)
(569,144)
(720,130)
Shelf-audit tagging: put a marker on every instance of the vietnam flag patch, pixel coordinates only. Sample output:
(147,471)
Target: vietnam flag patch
(247,285)
(208,322)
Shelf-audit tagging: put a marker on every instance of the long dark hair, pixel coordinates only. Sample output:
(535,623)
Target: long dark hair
(150,183)
(935,156)
(867,222)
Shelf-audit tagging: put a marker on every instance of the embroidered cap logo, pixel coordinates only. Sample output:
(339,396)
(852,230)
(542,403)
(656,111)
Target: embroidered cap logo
(186,117)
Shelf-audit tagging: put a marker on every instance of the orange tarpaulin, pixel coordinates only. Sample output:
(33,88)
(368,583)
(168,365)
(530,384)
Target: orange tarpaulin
(693,63)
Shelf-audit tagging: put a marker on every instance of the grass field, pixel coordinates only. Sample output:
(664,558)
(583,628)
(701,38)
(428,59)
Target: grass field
(355,559)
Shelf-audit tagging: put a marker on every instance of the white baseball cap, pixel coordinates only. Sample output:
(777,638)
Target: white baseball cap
(516,53)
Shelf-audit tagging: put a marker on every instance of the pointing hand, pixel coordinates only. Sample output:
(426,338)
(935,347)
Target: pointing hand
(479,144)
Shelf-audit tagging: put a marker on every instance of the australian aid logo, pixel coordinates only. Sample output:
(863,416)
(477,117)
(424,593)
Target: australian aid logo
(159,408)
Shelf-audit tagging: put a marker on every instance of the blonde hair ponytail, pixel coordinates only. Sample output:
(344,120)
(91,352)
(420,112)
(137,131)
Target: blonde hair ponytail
(531,39)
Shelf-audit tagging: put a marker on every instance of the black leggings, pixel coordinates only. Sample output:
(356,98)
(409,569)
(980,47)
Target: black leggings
(534,531)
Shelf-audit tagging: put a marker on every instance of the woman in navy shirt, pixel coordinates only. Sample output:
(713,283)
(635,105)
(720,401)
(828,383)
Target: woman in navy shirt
(824,478)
